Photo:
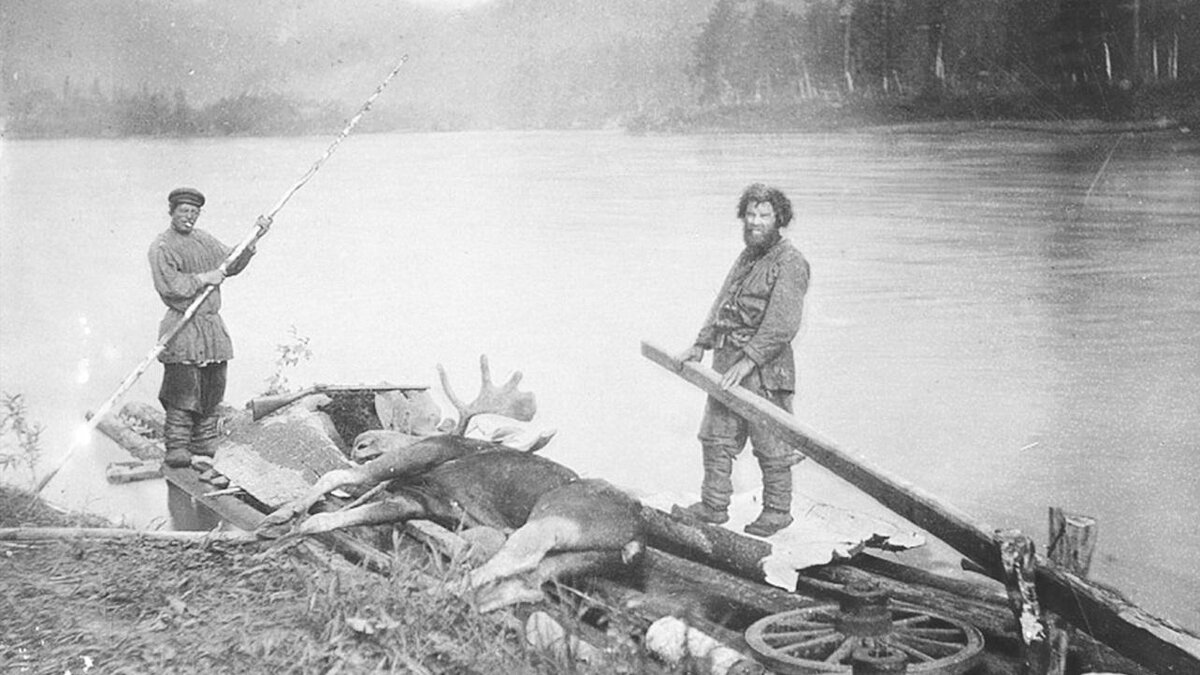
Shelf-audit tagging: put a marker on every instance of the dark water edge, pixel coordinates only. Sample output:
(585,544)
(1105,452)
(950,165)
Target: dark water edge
(1162,106)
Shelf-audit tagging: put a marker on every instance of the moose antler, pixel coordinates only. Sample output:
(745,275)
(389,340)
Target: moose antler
(504,400)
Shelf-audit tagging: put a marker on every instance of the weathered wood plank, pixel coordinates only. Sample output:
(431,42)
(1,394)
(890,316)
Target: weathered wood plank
(1112,619)
(232,509)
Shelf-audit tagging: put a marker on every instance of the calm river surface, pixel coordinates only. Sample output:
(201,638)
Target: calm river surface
(1008,320)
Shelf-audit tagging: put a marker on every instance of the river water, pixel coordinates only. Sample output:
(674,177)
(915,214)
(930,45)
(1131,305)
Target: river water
(1007,320)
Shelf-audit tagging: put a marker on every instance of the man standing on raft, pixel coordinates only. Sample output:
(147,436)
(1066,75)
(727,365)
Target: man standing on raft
(183,261)
(750,329)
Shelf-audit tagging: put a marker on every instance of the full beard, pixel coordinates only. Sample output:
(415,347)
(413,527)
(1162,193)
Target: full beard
(759,241)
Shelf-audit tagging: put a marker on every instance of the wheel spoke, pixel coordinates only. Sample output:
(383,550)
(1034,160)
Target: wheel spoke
(843,650)
(800,625)
(913,620)
(809,645)
(911,651)
(791,636)
(934,647)
(951,633)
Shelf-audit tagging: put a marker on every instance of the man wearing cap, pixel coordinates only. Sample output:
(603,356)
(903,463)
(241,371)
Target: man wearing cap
(750,329)
(183,261)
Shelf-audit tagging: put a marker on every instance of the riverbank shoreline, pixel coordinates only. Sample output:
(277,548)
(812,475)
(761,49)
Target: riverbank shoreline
(1154,107)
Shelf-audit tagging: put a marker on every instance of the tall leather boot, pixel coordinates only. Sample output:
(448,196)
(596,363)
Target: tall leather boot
(204,436)
(717,488)
(177,437)
(777,497)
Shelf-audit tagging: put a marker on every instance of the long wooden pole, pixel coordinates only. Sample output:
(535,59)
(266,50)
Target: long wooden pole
(250,240)
(1105,614)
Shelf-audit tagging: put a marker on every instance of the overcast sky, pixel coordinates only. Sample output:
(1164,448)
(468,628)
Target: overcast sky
(451,3)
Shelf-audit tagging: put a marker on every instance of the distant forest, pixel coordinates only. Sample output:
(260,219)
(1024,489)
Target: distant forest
(734,64)
(890,59)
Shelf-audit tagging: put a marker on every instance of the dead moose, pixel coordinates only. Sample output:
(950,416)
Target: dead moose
(557,523)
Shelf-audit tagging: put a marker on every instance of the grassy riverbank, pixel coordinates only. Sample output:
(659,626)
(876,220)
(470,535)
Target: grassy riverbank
(169,607)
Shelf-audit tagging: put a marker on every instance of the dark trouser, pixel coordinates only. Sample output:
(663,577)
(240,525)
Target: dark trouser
(190,395)
(723,435)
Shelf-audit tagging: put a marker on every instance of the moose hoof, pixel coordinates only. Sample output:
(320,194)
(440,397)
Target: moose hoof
(482,544)
(505,594)
(270,531)
(281,518)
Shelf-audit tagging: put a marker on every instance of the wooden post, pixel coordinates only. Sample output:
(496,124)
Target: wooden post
(1072,541)
(1037,646)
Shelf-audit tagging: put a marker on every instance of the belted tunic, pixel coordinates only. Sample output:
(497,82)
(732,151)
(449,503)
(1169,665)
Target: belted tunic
(175,260)
(758,313)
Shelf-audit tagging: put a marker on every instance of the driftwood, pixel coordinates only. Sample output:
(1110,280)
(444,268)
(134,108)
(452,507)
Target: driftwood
(130,472)
(149,416)
(134,443)
(120,534)
(1153,642)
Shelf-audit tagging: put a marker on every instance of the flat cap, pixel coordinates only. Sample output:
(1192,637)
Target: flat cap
(185,195)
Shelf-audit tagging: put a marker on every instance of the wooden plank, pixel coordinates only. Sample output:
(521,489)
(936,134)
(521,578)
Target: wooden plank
(232,509)
(1112,619)
(1106,615)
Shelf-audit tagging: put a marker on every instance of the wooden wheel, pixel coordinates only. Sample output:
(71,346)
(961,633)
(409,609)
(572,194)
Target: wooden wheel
(818,639)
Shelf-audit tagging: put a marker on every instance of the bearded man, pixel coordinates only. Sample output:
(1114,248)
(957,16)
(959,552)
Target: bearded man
(184,261)
(750,329)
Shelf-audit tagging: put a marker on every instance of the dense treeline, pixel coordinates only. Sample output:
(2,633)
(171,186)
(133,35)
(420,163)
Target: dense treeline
(1016,58)
(42,113)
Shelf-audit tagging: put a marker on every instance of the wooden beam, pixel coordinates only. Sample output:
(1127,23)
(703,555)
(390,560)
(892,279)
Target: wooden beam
(714,546)
(952,526)
(1104,614)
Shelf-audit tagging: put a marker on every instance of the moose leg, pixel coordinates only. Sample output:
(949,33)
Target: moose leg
(327,483)
(528,588)
(394,509)
(525,549)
